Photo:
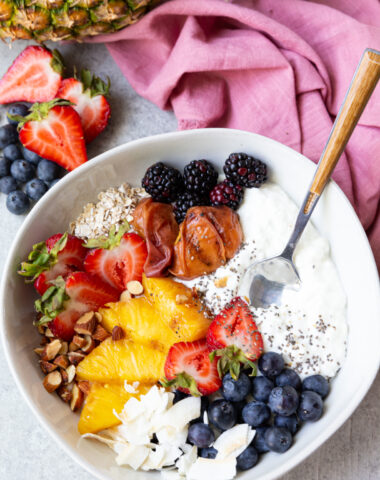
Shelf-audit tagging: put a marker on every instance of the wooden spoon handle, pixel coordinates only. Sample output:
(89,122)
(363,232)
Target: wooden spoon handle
(362,85)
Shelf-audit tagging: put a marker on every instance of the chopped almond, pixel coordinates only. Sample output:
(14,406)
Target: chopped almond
(47,367)
(49,333)
(64,393)
(71,371)
(76,398)
(64,349)
(61,361)
(117,333)
(79,341)
(52,381)
(73,347)
(98,317)
(75,357)
(86,324)
(51,350)
(89,344)
(134,287)
(39,350)
(100,333)
(84,386)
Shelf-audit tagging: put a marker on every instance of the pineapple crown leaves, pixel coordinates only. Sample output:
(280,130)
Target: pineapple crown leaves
(93,84)
(230,360)
(39,111)
(182,380)
(57,62)
(110,242)
(52,301)
(40,259)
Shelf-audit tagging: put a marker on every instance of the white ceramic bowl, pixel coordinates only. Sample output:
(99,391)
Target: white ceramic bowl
(334,217)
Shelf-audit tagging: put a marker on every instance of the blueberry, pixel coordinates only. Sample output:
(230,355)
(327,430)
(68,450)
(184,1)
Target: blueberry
(30,156)
(259,440)
(288,377)
(311,407)
(317,384)
(22,170)
(12,152)
(271,364)
(8,135)
(256,414)
(247,459)
(278,439)
(5,166)
(262,386)
(283,400)
(178,395)
(239,410)
(47,171)
(17,109)
(222,414)
(236,390)
(200,435)
(35,189)
(8,184)
(208,452)
(17,202)
(291,422)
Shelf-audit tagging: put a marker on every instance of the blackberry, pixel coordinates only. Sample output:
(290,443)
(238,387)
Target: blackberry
(228,194)
(244,170)
(185,201)
(200,177)
(163,183)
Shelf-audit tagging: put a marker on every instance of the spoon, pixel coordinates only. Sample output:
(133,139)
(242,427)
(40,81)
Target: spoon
(265,281)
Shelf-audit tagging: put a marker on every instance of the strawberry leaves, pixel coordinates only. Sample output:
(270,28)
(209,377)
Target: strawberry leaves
(230,360)
(93,84)
(41,259)
(111,241)
(182,380)
(51,304)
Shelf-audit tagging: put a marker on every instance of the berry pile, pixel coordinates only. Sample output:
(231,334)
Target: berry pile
(275,404)
(198,186)
(24,176)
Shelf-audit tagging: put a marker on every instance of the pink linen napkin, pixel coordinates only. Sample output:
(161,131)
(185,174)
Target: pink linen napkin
(277,68)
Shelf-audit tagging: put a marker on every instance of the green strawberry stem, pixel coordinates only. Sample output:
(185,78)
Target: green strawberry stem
(230,360)
(39,111)
(94,85)
(40,259)
(110,242)
(57,62)
(183,380)
(52,301)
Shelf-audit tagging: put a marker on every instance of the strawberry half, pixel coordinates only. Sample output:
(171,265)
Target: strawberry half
(65,301)
(120,259)
(188,368)
(60,255)
(233,336)
(54,131)
(34,76)
(88,95)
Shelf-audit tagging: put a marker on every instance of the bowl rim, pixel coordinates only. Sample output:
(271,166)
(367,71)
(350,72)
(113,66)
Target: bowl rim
(307,449)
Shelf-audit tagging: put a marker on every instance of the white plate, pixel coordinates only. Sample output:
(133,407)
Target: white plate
(334,217)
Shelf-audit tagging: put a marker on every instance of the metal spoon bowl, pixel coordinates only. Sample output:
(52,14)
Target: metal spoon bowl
(265,281)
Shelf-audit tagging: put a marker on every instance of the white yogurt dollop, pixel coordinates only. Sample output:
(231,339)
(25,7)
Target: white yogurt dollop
(310,328)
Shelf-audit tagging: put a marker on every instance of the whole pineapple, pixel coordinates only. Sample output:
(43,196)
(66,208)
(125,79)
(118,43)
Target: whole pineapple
(57,20)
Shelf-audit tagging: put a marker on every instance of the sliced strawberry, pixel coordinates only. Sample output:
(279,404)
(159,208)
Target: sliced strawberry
(34,76)
(64,302)
(188,368)
(121,259)
(88,95)
(59,255)
(54,131)
(234,337)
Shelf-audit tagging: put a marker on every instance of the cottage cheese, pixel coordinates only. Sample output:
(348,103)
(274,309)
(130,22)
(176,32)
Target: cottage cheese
(310,328)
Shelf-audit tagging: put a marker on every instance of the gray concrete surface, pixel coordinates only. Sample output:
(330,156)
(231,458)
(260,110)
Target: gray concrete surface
(26,450)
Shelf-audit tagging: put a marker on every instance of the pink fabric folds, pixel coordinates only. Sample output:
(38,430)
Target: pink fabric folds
(278,68)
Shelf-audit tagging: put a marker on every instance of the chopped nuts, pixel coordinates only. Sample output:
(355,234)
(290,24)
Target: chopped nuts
(79,341)
(44,341)
(51,350)
(84,386)
(75,357)
(71,371)
(48,333)
(52,381)
(64,349)
(77,398)
(89,344)
(134,287)
(64,393)
(41,329)
(117,333)
(98,317)
(39,350)
(86,324)
(65,377)
(61,361)
(47,367)
(100,333)
(125,296)
(73,347)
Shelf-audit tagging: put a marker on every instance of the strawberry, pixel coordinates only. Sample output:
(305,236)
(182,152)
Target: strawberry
(34,76)
(234,338)
(88,95)
(120,259)
(67,300)
(54,131)
(60,255)
(188,368)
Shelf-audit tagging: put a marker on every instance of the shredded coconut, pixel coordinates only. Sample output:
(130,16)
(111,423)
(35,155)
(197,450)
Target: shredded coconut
(115,206)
